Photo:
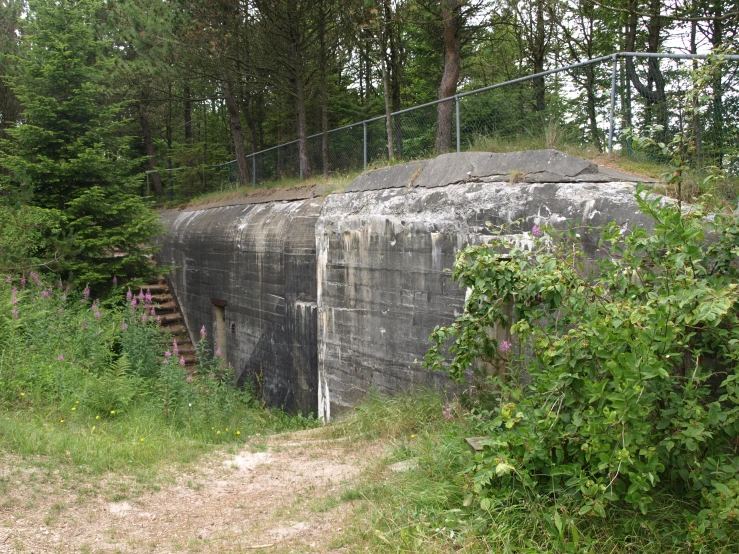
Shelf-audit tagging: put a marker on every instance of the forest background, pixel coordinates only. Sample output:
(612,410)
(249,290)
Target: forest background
(94,93)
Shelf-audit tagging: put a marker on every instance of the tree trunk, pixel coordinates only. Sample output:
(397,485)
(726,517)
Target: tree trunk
(717,38)
(395,70)
(150,152)
(324,127)
(188,114)
(590,88)
(452,61)
(539,57)
(695,123)
(299,90)
(323,90)
(236,133)
(654,91)
(386,91)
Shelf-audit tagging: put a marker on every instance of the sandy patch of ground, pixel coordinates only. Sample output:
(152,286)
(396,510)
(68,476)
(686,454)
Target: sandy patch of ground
(279,496)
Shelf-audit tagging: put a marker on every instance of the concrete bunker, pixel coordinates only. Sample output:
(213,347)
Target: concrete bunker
(328,298)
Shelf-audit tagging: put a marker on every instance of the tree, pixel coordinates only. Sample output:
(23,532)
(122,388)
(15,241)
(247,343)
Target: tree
(9,16)
(70,148)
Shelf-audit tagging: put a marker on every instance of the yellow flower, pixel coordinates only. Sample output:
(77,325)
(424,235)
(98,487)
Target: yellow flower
(74,408)
(61,421)
(238,432)
(112,412)
(142,439)
(77,402)
(218,433)
(226,429)
(212,428)
(97,417)
(23,394)
(413,436)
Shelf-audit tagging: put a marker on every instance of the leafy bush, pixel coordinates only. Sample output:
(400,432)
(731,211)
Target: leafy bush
(630,381)
(59,349)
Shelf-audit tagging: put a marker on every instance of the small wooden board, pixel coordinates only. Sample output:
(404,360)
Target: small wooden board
(474,443)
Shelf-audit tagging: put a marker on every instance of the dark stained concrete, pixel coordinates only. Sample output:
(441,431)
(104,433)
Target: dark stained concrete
(260,260)
(329,298)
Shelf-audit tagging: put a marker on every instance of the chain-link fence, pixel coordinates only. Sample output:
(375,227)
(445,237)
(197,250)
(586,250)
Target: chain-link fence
(599,105)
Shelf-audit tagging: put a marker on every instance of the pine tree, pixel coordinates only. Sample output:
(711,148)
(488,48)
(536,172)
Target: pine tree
(70,147)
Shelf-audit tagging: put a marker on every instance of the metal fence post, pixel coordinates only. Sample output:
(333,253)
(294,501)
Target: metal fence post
(459,138)
(613,103)
(364,128)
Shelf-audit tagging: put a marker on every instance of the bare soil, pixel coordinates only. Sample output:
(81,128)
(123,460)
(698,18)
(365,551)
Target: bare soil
(280,495)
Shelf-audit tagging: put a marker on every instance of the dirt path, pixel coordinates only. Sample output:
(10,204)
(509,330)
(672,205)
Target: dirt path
(283,495)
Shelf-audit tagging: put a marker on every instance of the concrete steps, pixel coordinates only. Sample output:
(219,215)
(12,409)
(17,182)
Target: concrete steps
(171,321)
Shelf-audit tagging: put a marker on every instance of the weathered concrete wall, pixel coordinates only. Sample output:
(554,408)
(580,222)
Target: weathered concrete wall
(260,261)
(331,298)
(384,243)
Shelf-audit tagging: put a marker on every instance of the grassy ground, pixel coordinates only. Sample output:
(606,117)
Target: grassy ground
(409,499)
(421,507)
(138,439)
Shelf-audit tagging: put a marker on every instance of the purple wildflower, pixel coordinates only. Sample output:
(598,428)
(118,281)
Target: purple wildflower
(218,353)
(45,293)
(64,297)
(140,295)
(9,278)
(447,413)
(212,376)
(60,284)
(15,314)
(167,354)
(60,311)
(182,361)
(60,357)
(97,315)
(504,347)
(147,297)
(153,312)
(23,281)
(13,299)
(134,303)
(115,280)
(189,379)
(86,292)
(175,348)
(84,324)
(129,295)
(202,331)
(124,326)
(537,232)
(159,320)
(35,278)
(143,318)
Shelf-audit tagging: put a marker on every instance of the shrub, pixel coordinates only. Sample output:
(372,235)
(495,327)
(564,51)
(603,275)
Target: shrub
(631,366)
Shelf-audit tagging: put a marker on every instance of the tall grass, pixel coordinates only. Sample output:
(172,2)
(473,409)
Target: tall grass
(98,385)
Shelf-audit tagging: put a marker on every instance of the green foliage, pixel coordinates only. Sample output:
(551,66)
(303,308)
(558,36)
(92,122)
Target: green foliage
(632,365)
(29,237)
(113,389)
(112,230)
(72,151)
(75,374)
(70,138)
